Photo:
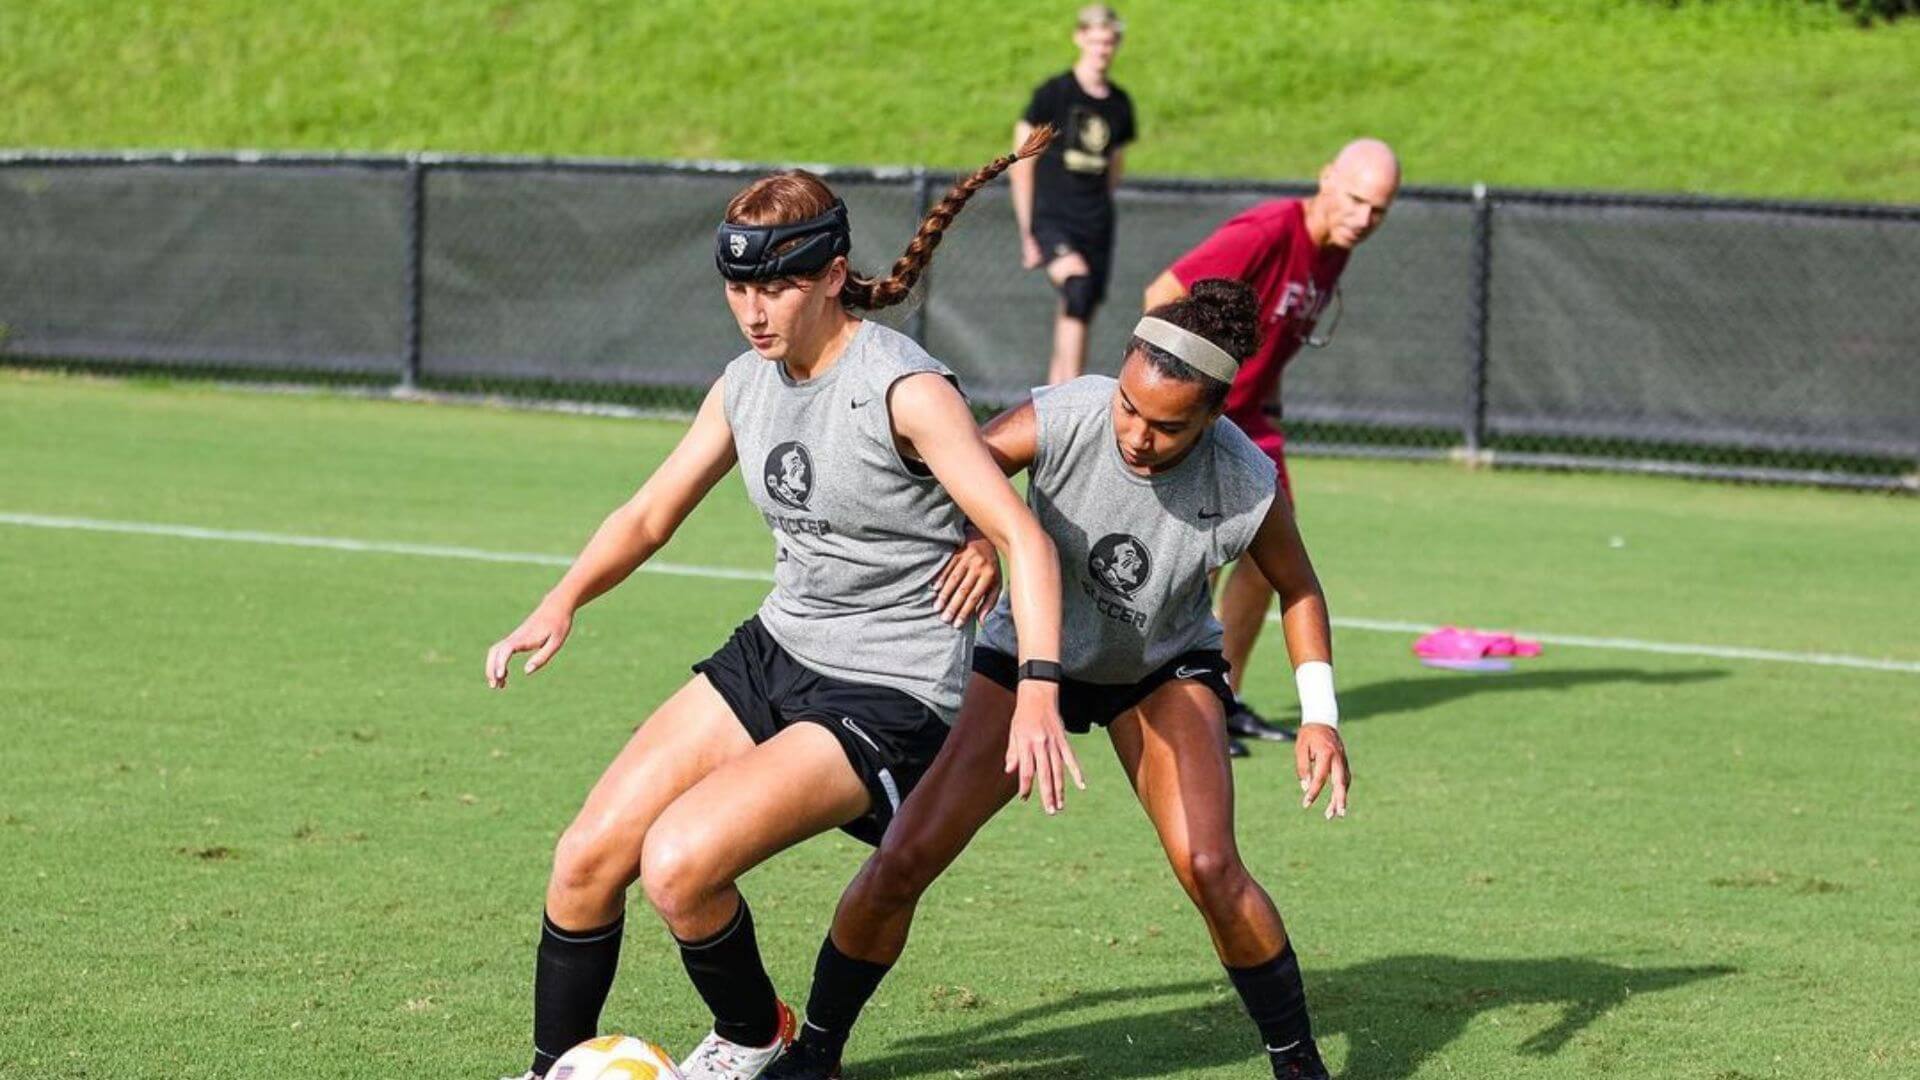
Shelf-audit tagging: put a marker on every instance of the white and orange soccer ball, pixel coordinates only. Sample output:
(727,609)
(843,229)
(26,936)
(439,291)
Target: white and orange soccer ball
(614,1057)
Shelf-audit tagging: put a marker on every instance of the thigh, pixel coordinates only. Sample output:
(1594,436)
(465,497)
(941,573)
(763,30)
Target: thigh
(795,785)
(1173,748)
(687,738)
(967,784)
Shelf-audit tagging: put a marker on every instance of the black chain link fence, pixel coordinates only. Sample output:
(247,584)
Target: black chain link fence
(1750,340)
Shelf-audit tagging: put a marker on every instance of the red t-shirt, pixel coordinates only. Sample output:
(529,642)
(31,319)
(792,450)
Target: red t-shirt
(1268,248)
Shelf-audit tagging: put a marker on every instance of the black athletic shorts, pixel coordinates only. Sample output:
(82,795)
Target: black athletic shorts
(889,736)
(1086,705)
(1056,239)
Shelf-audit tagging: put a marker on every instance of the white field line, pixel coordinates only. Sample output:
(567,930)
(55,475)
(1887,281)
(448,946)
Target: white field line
(449,551)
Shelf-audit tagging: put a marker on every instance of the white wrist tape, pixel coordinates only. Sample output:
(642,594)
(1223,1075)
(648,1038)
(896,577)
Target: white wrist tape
(1314,680)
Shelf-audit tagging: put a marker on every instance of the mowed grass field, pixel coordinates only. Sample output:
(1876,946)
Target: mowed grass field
(1755,97)
(260,817)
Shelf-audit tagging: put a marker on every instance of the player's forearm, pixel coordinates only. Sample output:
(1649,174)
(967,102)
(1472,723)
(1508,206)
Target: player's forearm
(1308,630)
(622,543)
(1020,181)
(1033,570)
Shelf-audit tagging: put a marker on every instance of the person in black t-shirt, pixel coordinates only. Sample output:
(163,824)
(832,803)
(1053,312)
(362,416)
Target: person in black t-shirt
(1064,198)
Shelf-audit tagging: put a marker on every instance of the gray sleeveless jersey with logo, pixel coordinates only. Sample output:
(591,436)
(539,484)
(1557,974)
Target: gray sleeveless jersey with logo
(858,535)
(1135,551)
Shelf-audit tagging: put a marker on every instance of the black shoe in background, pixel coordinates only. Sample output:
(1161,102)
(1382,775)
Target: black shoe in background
(1237,749)
(1248,724)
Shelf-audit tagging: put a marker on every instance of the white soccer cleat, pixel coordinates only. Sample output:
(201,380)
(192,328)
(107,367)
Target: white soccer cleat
(717,1059)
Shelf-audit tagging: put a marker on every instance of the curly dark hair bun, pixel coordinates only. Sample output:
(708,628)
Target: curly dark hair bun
(1223,311)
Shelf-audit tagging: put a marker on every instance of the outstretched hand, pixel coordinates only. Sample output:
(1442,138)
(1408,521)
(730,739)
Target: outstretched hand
(1037,747)
(543,632)
(1321,760)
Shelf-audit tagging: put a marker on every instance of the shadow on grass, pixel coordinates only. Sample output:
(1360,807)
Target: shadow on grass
(1393,1014)
(1390,696)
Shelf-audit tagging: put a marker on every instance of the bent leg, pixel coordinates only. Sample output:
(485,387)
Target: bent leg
(791,787)
(689,736)
(966,785)
(599,856)
(1173,749)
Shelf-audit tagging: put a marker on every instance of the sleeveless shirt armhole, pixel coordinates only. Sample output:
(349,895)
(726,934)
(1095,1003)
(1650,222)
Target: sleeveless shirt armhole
(887,433)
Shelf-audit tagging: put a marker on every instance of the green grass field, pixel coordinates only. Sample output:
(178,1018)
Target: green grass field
(1761,97)
(261,818)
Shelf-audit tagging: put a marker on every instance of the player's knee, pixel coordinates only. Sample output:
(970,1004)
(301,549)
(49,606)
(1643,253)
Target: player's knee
(1214,878)
(589,866)
(1078,297)
(898,874)
(675,873)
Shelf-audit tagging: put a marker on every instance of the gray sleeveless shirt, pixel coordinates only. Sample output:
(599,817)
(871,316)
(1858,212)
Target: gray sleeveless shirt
(859,535)
(1135,551)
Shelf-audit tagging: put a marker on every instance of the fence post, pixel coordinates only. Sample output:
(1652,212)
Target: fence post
(414,296)
(1474,427)
(922,202)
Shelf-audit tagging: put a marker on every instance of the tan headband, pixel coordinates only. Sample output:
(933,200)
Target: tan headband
(1197,352)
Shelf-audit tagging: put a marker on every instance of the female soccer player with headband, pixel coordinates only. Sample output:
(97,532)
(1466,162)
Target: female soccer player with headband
(1145,491)
(824,710)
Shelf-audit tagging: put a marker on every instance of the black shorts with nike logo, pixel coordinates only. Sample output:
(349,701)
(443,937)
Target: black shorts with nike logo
(1087,705)
(889,737)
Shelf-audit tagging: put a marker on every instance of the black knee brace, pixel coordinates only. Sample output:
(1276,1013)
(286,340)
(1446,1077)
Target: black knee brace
(1078,294)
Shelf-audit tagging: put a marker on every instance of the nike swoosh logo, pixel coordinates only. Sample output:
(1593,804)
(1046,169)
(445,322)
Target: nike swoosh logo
(1209,515)
(858,404)
(1190,672)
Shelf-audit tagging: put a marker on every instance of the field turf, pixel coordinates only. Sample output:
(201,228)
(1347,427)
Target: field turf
(1754,97)
(260,817)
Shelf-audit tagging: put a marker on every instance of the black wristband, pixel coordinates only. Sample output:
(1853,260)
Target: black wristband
(1042,671)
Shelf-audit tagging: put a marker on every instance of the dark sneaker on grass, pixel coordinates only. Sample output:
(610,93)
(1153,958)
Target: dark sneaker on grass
(804,1061)
(1237,749)
(1248,724)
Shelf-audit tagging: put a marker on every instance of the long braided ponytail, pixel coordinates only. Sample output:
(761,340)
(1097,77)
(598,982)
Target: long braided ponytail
(797,195)
(870,294)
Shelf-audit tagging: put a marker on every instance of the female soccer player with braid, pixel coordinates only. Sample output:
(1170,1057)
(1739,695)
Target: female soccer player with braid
(826,707)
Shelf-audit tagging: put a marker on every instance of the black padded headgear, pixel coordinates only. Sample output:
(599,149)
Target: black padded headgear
(746,252)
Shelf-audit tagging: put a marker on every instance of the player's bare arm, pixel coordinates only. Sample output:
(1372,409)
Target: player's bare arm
(933,419)
(970,582)
(626,539)
(1165,289)
(1320,757)
(1020,180)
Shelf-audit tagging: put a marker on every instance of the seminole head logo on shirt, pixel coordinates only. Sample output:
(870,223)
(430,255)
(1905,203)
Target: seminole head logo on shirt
(1121,563)
(789,475)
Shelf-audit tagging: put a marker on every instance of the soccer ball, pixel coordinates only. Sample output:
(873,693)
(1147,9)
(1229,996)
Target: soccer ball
(614,1057)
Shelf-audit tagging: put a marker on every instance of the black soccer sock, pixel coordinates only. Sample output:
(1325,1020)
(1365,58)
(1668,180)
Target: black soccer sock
(1277,1002)
(727,971)
(841,986)
(572,972)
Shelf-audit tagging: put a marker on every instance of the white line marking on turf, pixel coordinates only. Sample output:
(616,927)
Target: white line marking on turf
(449,551)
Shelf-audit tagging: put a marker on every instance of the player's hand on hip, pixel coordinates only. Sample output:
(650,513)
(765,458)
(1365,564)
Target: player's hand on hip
(1037,747)
(1321,760)
(969,583)
(542,633)
(1030,253)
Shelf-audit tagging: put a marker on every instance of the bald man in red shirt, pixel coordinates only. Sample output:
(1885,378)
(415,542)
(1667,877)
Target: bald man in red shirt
(1292,252)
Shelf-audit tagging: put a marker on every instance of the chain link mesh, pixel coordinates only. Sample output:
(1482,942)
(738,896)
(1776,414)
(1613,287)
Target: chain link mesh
(1764,340)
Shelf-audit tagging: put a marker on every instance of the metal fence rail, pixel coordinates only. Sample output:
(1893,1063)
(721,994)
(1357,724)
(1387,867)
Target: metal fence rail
(1759,340)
